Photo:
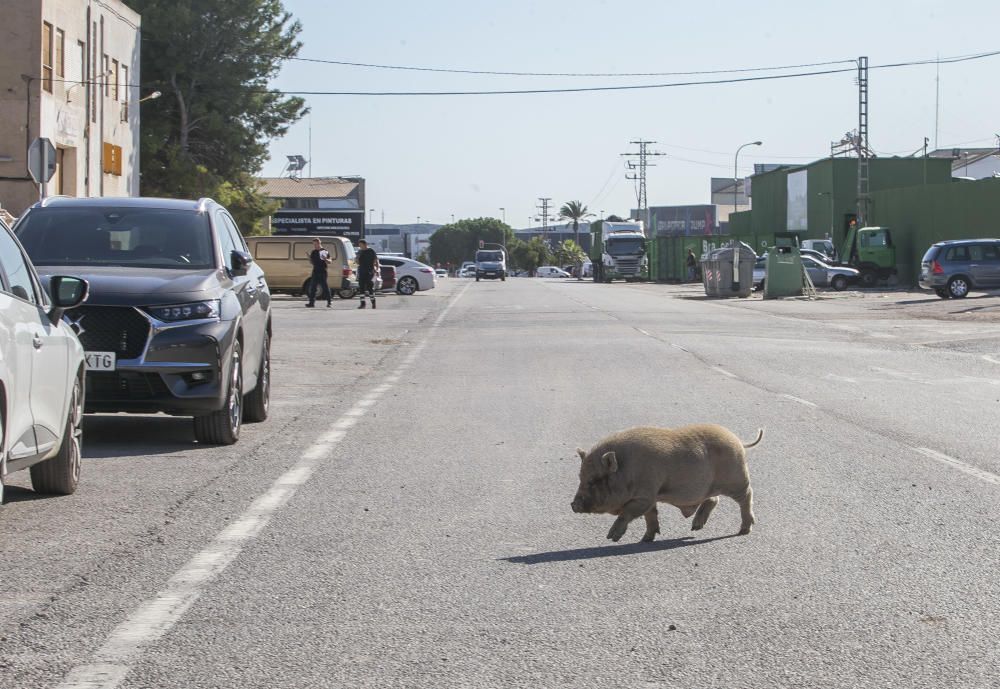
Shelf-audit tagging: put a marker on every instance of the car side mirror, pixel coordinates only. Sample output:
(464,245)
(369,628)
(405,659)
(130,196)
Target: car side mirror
(66,293)
(239,262)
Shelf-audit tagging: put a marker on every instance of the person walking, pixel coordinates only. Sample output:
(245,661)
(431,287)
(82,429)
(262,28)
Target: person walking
(692,266)
(367,265)
(320,259)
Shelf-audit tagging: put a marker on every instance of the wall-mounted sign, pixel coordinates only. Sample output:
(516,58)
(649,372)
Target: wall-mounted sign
(341,223)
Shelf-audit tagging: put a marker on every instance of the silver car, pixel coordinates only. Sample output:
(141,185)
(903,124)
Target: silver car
(824,275)
(41,373)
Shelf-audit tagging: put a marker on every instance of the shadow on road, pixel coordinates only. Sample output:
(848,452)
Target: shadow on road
(19,494)
(611,550)
(123,436)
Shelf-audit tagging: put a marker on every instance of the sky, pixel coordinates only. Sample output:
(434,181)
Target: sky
(435,157)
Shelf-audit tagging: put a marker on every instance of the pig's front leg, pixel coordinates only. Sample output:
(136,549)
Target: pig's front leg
(633,509)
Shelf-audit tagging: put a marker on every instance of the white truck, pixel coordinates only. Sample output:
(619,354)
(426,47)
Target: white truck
(622,252)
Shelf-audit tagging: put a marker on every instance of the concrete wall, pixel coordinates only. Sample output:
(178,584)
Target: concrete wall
(81,113)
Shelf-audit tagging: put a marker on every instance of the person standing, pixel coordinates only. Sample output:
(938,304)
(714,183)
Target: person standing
(320,259)
(367,265)
(692,266)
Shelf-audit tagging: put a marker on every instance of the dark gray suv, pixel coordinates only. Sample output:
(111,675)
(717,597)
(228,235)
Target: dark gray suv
(952,268)
(179,315)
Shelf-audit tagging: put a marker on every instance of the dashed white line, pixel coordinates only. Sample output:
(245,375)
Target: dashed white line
(677,346)
(991,359)
(723,371)
(643,332)
(981,474)
(807,403)
(154,618)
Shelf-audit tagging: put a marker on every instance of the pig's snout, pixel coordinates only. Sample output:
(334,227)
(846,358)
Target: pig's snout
(577,504)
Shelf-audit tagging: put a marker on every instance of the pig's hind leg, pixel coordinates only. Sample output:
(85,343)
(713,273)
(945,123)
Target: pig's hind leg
(633,509)
(704,510)
(652,524)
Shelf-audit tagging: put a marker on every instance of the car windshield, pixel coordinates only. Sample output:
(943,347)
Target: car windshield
(489,256)
(631,245)
(110,236)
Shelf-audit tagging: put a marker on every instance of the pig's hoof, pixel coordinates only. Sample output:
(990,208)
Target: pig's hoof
(649,536)
(616,533)
(744,531)
(696,526)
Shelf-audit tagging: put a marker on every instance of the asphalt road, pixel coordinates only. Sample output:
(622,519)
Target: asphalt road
(403,518)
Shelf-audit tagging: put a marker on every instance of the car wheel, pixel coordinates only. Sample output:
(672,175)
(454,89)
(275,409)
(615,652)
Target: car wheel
(503,278)
(222,427)
(958,288)
(256,403)
(477,278)
(868,278)
(347,293)
(407,285)
(839,283)
(61,474)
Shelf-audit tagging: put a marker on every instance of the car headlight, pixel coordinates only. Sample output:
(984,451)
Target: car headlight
(197,310)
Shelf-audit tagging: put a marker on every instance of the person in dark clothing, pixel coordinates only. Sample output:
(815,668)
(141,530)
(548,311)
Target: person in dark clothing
(367,265)
(692,266)
(320,259)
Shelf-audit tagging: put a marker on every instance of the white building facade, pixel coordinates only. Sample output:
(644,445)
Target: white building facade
(69,72)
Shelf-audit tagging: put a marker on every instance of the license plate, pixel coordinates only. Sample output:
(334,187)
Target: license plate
(100,361)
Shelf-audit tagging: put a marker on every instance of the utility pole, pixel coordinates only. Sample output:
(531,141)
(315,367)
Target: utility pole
(641,166)
(864,195)
(544,208)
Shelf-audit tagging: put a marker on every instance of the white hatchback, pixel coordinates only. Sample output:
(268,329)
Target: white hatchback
(41,374)
(551,272)
(411,276)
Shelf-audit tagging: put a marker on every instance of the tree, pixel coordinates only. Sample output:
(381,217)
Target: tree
(529,255)
(208,134)
(569,252)
(576,211)
(457,242)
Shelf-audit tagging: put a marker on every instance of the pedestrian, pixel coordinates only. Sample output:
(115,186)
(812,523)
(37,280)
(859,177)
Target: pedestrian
(692,266)
(320,259)
(367,265)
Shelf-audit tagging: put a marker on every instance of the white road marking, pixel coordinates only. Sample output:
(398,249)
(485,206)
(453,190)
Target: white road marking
(643,332)
(991,359)
(981,474)
(807,403)
(845,379)
(154,618)
(723,371)
(677,346)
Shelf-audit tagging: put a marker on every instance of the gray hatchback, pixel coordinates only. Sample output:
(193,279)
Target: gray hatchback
(953,268)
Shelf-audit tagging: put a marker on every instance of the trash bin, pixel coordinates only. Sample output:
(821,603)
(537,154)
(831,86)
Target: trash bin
(717,271)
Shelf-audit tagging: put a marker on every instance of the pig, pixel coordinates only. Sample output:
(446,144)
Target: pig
(628,472)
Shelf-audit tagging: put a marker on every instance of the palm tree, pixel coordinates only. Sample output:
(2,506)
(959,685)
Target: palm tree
(575,211)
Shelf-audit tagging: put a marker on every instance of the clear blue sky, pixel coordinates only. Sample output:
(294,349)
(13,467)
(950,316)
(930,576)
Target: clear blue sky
(471,155)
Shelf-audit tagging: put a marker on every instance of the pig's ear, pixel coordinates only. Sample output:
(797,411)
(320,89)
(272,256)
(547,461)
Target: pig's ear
(583,455)
(610,462)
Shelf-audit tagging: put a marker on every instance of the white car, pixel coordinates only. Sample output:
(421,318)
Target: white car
(41,374)
(551,272)
(467,272)
(411,276)
(441,273)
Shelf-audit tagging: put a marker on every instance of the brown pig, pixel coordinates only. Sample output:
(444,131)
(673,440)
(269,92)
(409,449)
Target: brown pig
(628,472)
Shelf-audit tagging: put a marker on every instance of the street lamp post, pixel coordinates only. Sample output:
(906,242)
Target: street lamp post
(503,215)
(736,175)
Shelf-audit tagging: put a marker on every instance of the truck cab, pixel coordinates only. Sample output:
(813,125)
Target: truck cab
(622,252)
(871,251)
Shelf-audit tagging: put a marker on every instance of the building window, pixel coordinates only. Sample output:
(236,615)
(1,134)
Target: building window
(94,90)
(81,49)
(106,68)
(114,86)
(125,84)
(47,56)
(60,53)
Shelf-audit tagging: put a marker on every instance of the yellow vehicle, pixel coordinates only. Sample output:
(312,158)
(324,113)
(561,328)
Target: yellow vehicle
(285,262)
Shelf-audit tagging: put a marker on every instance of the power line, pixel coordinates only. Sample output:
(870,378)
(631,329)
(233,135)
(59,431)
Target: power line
(637,87)
(449,70)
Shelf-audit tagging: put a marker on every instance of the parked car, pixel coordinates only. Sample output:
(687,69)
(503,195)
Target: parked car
(41,374)
(179,315)
(955,267)
(467,272)
(824,247)
(285,262)
(759,272)
(411,276)
(441,273)
(824,275)
(387,277)
(551,272)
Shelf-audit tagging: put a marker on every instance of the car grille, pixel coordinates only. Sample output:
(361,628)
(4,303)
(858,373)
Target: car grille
(119,329)
(125,386)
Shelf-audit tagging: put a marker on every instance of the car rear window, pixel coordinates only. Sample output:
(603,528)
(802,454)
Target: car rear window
(110,236)
(931,254)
